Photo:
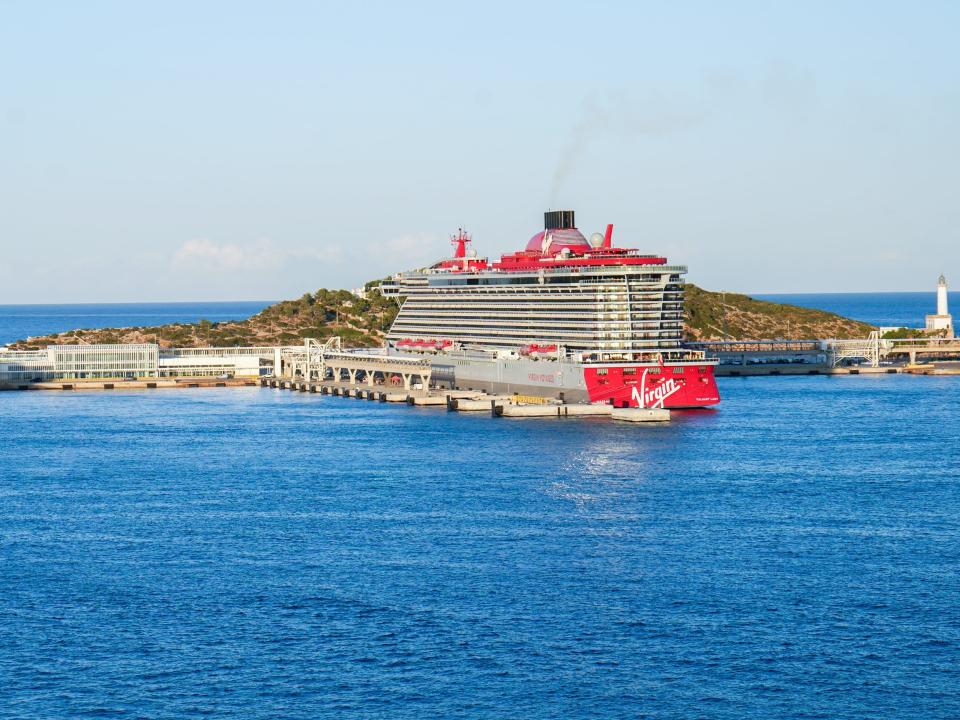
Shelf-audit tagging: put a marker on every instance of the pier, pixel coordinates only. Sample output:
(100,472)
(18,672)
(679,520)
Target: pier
(869,355)
(321,361)
(498,406)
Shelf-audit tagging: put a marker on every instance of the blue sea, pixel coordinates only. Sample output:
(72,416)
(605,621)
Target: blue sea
(17,322)
(902,309)
(256,553)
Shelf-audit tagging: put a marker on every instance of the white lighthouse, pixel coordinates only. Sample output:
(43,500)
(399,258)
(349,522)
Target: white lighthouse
(942,320)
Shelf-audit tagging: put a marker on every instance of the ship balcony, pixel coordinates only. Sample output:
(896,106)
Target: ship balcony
(426,328)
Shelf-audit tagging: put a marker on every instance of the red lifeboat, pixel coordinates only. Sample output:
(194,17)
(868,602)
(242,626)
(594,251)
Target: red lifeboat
(535,350)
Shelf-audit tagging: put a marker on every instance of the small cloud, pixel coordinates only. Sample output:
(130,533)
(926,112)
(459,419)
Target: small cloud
(792,89)
(227,256)
(412,243)
(415,249)
(261,255)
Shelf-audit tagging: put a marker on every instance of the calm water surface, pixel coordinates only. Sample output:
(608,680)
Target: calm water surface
(903,309)
(253,553)
(18,322)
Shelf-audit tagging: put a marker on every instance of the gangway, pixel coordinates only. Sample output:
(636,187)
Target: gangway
(870,349)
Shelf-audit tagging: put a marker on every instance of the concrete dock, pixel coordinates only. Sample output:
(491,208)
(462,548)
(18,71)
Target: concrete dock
(645,415)
(509,406)
(474,402)
(552,410)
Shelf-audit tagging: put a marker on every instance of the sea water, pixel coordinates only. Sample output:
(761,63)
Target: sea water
(901,309)
(17,322)
(257,553)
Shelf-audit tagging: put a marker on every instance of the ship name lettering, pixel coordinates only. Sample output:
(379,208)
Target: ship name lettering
(537,377)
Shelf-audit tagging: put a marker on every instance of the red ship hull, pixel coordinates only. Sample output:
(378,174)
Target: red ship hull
(659,386)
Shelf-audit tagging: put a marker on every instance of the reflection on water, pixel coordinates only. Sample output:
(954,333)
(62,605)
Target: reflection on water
(256,553)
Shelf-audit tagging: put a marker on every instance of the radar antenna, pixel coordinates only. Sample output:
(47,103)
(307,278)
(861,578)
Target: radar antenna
(460,241)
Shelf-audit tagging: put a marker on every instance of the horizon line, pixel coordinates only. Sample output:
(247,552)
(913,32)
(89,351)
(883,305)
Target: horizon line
(197,302)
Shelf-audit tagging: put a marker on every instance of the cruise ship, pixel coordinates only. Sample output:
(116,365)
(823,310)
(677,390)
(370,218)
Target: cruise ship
(566,317)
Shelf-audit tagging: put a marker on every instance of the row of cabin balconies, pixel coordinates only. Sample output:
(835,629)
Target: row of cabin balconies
(612,284)
(514,342)
(555,334)
(496,314)
(545,299)
(526,331)
(531,289)
(524,321)
(418,305)
(558,301)
(453,323)
(520,318)
(595,287)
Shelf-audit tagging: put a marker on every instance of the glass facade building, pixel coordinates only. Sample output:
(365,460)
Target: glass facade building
(105,361)
(127,362)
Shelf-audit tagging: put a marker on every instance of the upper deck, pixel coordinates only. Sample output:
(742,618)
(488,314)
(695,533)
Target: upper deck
(559,253)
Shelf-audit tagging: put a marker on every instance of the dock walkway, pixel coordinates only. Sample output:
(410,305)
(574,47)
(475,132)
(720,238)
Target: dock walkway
(509,406)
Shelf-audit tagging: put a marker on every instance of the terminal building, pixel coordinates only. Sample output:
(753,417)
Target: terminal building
(135,361)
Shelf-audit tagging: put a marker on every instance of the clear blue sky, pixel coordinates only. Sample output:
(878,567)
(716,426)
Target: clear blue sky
(231,150)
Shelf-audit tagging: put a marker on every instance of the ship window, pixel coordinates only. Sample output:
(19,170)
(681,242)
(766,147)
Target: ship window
(702,370)
(602,371)
(678,371)
(655,371)
(629,371)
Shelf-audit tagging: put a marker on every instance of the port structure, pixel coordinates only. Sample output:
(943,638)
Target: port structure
(759,356)
(328,361)
(826,354)
(874,349)
(869,350)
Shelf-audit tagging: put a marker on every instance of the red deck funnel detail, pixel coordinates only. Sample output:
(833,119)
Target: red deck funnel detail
(608,237)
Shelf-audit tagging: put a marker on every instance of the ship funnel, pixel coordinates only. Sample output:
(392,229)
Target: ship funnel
(559,220)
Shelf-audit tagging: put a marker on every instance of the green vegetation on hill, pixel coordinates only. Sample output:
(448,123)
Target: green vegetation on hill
(360,322)
(718,316)
(905,333)
(363,322)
